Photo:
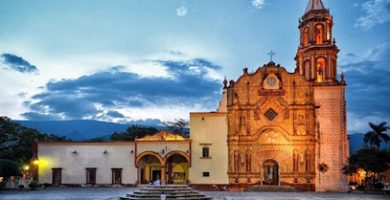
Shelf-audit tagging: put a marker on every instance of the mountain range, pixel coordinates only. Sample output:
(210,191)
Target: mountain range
(85,129)
(88,129)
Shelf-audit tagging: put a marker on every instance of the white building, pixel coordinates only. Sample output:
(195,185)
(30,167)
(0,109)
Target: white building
(163,156)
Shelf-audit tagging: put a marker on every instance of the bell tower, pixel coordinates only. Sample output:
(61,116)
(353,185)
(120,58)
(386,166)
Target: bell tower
(317,52)
(317,61)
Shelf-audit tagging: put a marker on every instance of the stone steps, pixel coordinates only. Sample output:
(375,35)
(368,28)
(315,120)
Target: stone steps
(272,188)
(172,192)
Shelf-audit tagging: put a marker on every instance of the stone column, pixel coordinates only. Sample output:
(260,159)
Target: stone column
(162,179)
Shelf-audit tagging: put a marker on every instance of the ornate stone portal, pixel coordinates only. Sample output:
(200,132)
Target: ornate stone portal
(271,128)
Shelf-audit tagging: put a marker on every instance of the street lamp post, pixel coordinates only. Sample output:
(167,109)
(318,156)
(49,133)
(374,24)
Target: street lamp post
(34,165)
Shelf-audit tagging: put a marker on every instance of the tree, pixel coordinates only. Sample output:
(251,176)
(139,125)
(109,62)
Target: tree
(16,141)
(376,135)
(368,159)
(9,168)
(179,126)
(372,161)
(133,132)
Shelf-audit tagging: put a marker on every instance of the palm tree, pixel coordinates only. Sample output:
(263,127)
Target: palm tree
(377,134)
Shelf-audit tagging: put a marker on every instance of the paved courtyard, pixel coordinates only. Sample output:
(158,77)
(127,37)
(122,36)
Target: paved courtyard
(114,193)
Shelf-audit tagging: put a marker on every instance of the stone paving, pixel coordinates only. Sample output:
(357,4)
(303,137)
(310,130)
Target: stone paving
(115,193)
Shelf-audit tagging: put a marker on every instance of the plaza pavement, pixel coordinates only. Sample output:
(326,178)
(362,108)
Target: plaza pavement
(114,193)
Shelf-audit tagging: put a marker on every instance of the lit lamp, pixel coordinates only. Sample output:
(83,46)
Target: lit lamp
(26,170)
(26,167)
(35,162)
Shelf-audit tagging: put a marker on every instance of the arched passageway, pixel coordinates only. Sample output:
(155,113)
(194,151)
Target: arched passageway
(176,166)
(150,169)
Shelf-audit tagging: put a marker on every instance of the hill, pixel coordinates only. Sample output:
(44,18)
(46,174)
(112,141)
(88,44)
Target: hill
(84,129)
(356,142)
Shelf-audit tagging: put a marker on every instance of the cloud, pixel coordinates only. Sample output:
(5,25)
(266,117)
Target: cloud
(40,117)
(367,91)
(115,114)
(368,94)
(17,63)
(375,12)
(258,4)
(372,56)
(359,123)
(181,11)
(115,93)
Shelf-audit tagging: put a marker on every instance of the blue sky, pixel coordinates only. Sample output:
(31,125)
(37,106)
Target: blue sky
(129,60)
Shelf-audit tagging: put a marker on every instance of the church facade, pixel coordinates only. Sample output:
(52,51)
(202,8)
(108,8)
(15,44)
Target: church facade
(272,127)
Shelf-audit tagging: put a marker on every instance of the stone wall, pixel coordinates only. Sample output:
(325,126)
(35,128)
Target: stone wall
(332,148)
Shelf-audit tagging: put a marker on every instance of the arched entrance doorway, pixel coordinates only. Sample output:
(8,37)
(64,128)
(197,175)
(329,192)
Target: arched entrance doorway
(150,168)
(176,166)
(270,172)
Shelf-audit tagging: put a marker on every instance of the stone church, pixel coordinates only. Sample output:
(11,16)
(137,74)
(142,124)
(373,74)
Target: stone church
(290,128)
(272,127)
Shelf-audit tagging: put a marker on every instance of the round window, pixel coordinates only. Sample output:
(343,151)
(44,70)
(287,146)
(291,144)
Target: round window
(271,81)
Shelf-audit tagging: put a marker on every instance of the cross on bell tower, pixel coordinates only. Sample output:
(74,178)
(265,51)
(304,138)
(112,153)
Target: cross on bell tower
(271,54)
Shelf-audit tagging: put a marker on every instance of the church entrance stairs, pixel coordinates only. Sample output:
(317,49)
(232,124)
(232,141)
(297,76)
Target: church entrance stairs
(272,188)
(172,192)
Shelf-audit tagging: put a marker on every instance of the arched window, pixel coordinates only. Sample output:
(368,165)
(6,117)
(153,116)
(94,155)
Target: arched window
(334,68)
(319,33)
(307,70)
(328,31)
(320,65)
(305,36)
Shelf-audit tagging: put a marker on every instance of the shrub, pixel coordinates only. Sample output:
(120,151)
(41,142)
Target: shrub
(360,187)
(33,185)
(378,186)
(45,185)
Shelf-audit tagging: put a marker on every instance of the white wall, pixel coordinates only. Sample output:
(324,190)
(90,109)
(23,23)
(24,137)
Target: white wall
(89,155)
(209,128)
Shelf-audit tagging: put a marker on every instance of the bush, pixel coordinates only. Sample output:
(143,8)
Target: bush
(45,185)
(378,186)
(33,185)
(2,185)
(360,187)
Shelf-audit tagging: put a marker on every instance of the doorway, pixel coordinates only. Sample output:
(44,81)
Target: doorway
(116,175)
(156,175)
(270,172)
(57,176)
(149,169)
(91,176)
